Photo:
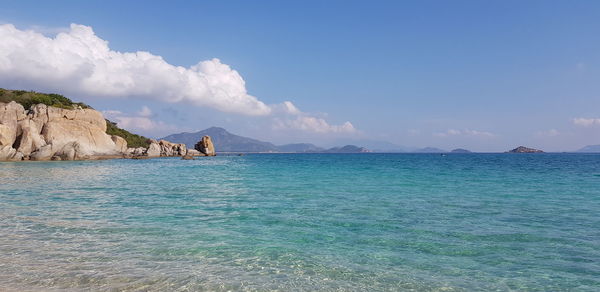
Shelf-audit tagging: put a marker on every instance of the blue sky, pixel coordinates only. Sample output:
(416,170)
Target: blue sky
(482,75)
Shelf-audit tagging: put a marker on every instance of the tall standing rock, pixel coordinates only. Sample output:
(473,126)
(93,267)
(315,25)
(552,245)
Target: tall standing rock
(206,146)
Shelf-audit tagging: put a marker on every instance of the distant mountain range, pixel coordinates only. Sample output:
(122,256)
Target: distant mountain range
(590,149)
(225,141)
(228,142)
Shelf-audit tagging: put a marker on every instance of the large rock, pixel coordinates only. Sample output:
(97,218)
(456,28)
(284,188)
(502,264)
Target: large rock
(153,149)
(7,153)
(31,138)
(120,143)
(44,132)
(10,115)
(206,146)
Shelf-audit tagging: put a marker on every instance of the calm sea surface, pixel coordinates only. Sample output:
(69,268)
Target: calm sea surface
(292,222)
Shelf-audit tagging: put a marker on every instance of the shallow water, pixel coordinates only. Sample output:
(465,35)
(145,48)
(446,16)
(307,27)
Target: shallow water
(420,222)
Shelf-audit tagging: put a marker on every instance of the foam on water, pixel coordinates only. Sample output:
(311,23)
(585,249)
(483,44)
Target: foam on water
(418,222)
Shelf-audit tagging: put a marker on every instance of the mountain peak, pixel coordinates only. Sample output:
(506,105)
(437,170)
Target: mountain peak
(217,130)
(223,140)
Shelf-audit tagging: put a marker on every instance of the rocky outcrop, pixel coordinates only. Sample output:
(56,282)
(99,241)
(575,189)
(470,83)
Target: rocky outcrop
(44,133)
(140,151)
(50,133)
(172,149)
(523,149)
(205,146)
(160,148)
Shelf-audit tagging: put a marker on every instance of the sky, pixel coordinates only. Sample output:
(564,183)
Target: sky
(480,75)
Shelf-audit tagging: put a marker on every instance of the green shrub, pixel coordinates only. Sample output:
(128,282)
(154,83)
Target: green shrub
(133,140)
(29,98)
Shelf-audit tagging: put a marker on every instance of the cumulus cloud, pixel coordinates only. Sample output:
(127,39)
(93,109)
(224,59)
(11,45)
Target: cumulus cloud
(586,122)
(465,132)
(313,124)
(79,62)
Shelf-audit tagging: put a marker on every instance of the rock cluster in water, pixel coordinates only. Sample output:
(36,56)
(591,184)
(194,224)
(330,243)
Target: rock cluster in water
(49,133)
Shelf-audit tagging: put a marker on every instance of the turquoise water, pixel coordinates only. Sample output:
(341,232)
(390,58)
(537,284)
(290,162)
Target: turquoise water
(377,222)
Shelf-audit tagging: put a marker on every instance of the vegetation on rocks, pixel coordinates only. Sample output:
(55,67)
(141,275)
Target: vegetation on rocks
(133,140)
(29,98)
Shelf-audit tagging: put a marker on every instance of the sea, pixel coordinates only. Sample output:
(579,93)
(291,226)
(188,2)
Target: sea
(303,222)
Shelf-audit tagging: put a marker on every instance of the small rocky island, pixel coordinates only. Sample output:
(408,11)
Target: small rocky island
(460,150)
(69,131)
(523,149)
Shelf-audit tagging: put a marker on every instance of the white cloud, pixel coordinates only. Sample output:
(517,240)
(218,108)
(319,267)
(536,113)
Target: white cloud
(586,122)
(77,61)
(465,132)
(549,133)
(49,30)
(314,125)
(81,62)
(288,116)
(145,112)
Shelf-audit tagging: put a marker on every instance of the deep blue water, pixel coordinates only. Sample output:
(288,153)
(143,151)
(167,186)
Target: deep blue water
(377,222)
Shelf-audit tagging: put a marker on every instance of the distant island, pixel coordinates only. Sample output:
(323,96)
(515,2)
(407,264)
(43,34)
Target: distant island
(523,149)
(460,150)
